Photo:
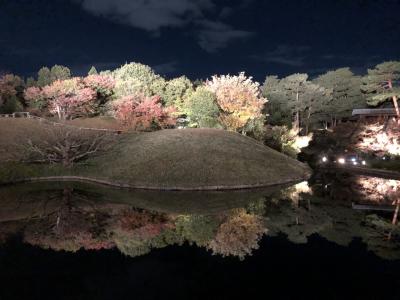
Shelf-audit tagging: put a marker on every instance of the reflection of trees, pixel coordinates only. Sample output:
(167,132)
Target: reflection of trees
(69,228)
(377,190)
(135,232)
(238,235)
(79,220)
(76,221)
(333,219)
(198,229)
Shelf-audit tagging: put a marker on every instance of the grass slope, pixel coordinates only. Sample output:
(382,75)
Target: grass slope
(167,159)
(194,158)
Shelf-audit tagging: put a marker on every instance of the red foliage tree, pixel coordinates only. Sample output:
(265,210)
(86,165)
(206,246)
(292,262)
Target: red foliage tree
(102,84)
(70,98)
(140,112)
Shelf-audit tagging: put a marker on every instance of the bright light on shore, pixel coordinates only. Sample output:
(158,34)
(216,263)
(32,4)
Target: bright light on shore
(363,163)
(341,161)
(324,159)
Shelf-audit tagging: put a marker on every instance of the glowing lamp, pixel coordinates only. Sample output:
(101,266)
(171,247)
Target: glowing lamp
(324,159)
(341,161)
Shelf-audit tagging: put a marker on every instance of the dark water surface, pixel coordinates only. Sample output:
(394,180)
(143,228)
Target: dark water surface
(309,241)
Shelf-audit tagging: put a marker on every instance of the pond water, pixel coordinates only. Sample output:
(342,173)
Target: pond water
(330,238)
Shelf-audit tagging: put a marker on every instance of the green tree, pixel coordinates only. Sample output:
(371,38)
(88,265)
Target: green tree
(59,73)
(295,98)
(47,76)
(177,91)
(346,93)
(135,78)
(30,82)
(278,109)
(202,108)
(44,77)
(92,71)
(379,84)
(11,93)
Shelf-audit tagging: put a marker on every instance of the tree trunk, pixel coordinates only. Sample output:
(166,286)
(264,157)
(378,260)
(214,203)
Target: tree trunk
(396,106)
(297,116)
(396,213)
(394,98)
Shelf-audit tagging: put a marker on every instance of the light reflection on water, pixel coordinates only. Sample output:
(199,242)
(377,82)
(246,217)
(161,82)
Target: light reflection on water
(71,216)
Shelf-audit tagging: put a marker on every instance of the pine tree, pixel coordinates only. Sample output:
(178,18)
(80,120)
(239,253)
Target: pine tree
(346,93)
(380,84)
(295,96)
(93,71)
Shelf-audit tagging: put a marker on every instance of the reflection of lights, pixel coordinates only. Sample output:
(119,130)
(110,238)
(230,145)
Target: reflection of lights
(355,163)
(341,161)
(363,163)
(324,159)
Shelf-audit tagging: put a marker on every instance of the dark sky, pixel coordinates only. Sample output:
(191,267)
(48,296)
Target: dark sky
(199,38)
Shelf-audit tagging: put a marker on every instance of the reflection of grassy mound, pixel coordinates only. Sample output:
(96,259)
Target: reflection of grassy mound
(29,200)
(195,158)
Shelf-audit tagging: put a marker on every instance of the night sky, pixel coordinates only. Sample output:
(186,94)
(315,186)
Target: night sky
(199,38)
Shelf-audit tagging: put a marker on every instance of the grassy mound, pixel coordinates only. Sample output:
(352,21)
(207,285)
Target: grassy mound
(167,159)
(194,159)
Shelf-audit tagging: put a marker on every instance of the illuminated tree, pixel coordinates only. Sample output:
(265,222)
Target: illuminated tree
(10,88)
(346,93)
(140,112)
(70,98)
(202,108)
(135,78)
(103,85)
(294,97)
(93,71)
(176,93)
(35,97)
(278,109)
(380,84)
(239,99)
(47,76)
